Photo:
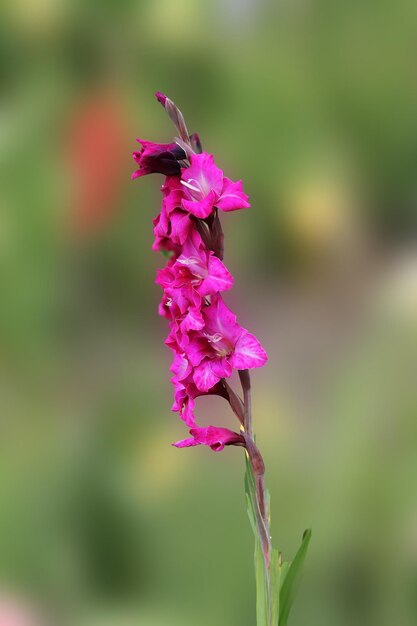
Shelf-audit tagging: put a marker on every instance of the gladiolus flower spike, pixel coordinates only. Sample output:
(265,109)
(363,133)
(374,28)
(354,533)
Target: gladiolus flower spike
(207,341)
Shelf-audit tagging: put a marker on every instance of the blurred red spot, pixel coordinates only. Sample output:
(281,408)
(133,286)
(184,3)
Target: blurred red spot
(98,149)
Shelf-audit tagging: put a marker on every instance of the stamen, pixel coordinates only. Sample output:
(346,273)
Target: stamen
(192,260)
(183,182)
(214,338)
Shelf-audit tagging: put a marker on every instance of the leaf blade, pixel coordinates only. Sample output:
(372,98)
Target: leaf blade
(292,578)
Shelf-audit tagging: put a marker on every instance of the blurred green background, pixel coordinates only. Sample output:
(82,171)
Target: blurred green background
(313,103)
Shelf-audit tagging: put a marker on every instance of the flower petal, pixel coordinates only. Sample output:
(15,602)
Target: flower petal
(221,367)
(187,443)
(219,278)
(232,197)
(201,208)
(203,173)
(204,377)
(213,437)
(248,352)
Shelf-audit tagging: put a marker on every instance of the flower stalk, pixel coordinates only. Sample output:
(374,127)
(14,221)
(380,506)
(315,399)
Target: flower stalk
(205,337)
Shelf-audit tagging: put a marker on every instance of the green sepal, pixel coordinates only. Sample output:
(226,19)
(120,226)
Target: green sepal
(291,580)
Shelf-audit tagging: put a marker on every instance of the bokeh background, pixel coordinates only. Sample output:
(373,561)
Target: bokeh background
(313,103)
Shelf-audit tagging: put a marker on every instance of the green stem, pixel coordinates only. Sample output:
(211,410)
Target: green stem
(259,503)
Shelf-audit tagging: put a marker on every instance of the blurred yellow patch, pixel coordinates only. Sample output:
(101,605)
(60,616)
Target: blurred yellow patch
(173,22)
(320,213)
(160,467)
(37,16)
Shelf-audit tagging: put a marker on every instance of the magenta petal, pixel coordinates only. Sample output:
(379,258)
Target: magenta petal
(221,367)
(248,352)
(186,443)
(139,172)
(181,227)
(219,278)
(161,158)
(213,437)
(204,377)
(232,196)
(180,367)
(220,319)
(217,438)
(197,350)
(201,208)
(187,413)
(204,174)
(192,321)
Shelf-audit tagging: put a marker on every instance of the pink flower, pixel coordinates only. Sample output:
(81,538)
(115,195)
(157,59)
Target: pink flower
(158,158)
(171,230)
(172,226)
(184,396)
(186,391)
(221,346)
(215,438)
(197,271)
(205,187)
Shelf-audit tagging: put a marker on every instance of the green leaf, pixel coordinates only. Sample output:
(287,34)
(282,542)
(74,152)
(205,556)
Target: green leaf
(261,587)
(292,579)
(275,584)
(284,569)
(251,514)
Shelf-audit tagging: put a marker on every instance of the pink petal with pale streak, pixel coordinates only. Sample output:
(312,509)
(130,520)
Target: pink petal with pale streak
(213,437)
(221,367)
(192,321)
(180,394)
(201,208)
(204,377)
(219,278)
(180,297)
(191,247)
(180,367)
(216,437)
(232,196)
(181,226)
(248,352)
(220,319)
(187,412)
(203,174)
(186,443)
(184,405)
